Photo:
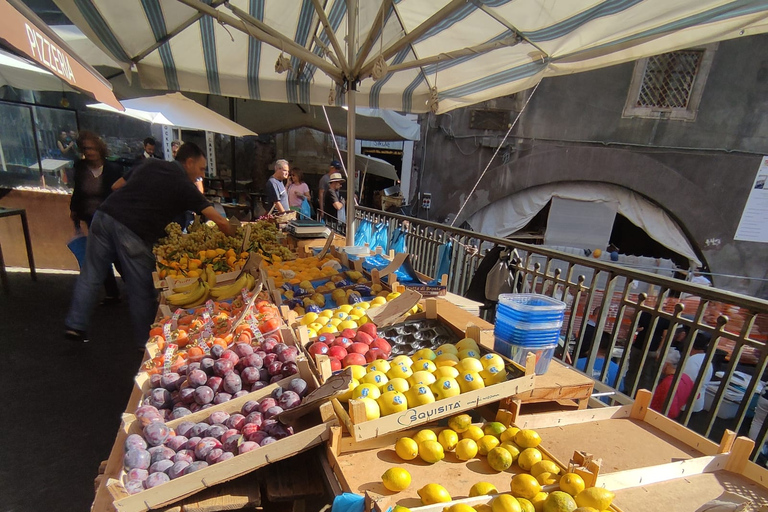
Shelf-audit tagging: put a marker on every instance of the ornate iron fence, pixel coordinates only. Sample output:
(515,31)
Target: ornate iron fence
(629,305)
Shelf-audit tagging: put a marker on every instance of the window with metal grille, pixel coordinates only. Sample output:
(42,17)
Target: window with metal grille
(670,85)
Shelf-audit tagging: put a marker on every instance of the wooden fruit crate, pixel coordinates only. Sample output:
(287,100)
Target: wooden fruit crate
(650,461)
(309,431)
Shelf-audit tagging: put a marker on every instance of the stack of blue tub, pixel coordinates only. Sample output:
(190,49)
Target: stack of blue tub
(528,323)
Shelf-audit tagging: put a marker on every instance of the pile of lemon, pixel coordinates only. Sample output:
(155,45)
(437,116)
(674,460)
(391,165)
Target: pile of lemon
(388,387)
(301,269)
(346,316)
(502,447)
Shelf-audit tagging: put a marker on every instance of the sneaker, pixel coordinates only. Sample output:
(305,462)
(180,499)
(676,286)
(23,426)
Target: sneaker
(76,335)
(111,301)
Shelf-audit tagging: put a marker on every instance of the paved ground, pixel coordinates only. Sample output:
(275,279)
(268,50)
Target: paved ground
(61,404)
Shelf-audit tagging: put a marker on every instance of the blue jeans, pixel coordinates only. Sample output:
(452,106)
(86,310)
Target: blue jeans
(109,240)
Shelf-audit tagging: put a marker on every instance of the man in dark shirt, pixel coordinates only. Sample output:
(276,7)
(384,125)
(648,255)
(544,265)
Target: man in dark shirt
(333,201)
(126,225)
(277,197)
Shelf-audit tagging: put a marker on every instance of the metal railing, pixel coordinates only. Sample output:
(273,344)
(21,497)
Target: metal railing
(627,304)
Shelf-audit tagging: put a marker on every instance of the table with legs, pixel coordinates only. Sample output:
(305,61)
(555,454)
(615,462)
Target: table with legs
(22,213)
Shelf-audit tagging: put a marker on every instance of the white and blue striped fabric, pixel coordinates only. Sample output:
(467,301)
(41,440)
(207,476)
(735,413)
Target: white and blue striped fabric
(467,50)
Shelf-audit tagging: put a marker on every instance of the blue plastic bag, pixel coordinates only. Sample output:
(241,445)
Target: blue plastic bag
(397,242)
(306,209)
(444,255)
(363,233)
(348,502)
(380,237)
(77,246)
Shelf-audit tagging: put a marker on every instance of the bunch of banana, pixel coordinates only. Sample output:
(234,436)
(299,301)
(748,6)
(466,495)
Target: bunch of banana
(227,291)
(192,298)
(209,276)
(192,285)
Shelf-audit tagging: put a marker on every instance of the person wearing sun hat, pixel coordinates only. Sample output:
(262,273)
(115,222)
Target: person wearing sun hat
(323,186)
(334,200)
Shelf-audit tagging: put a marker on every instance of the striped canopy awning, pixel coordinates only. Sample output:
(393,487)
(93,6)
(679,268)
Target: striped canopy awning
(408,55)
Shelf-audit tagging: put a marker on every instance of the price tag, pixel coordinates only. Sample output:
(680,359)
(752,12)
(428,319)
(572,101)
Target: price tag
(170,350)
(167,331)
(175,318)
(246,296)
(210,306)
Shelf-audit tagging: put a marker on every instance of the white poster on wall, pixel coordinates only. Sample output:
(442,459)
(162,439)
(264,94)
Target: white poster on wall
(753,226)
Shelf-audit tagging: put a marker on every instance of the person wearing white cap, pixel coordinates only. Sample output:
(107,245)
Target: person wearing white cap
(334,201)
(684,387)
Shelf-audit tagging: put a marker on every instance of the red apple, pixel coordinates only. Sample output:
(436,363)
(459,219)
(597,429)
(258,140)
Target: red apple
(369,328)
(326,338)
(359,348)
(335,364)
(353,358)
(363,337)
(382,344)
(342,341)
(318,347)
(374,354)
(337,352)
(348,333)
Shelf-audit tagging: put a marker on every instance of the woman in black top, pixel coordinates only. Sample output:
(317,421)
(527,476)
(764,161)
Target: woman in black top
(93,180)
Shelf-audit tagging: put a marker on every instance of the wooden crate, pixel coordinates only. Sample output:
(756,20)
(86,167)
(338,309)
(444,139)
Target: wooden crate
(111,494)
(360,428)
(650,461)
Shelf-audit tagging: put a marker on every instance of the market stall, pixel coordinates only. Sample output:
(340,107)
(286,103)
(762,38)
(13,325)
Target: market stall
(339,372)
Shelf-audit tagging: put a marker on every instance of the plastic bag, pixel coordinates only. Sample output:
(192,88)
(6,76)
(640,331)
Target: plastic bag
(348,502)
(77,245)
(397,242)
(306,209)
(501,277)
(379,237)
(363,233)
(444,256)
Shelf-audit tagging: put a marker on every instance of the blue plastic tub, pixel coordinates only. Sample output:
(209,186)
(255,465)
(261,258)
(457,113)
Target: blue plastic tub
(529,308)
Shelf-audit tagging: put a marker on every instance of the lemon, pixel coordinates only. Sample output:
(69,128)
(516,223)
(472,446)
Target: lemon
(527,438)
(524,486)
(558,501)
(425,365)
(433,493)
(585,509)
(447,348)
(425,435)
(546,478)
(466,449)
(483,507)
(470,364)
(396,479)
(509,434)
(466,343)
(431,451)
(512,448)
(308,318)
(473,432)
(572,483)
(460,423)
(406,448)
(377,378)
(425,353)
(486,444)
(366,391)
(539,500)
(525,505)
(449,439)
(499,459)
(494,428)
(400,385)
(380,365)
(459,507)
(595,497)
(482,488)
(505,503)
(402,360)
(358,371)
(545,466)
(400,508)
(372,411)
(448,372)
(528,458)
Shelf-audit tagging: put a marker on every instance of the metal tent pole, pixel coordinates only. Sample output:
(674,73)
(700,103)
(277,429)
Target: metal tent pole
(351,86)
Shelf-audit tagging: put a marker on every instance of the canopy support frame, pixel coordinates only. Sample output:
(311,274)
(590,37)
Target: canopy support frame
(331,36)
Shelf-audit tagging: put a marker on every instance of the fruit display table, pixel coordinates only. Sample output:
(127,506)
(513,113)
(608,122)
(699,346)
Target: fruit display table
(303,246)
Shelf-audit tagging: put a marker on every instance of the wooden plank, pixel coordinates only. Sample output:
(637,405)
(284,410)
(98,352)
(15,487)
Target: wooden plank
(610,441)
(729,436)
(238,494)
(560,382)
(664,472)
(560,419)
(641,405)
(690,493)
(739,455)
(293,478)
(679,432)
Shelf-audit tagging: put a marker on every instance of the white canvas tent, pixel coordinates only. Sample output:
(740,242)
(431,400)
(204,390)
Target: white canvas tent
(406,55)
(178,111)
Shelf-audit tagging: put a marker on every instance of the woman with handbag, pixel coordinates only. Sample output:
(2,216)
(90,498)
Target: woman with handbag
(298,190)
(93,180)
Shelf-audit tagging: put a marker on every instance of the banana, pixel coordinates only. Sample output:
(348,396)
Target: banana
(230,290)
(211,276)
(187,287)
(203,298)
(250,281)
(184,299)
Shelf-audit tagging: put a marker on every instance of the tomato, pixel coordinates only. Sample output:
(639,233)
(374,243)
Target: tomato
(269,325)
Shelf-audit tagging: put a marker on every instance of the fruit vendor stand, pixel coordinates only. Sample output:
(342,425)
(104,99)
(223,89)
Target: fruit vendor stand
(354,387)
